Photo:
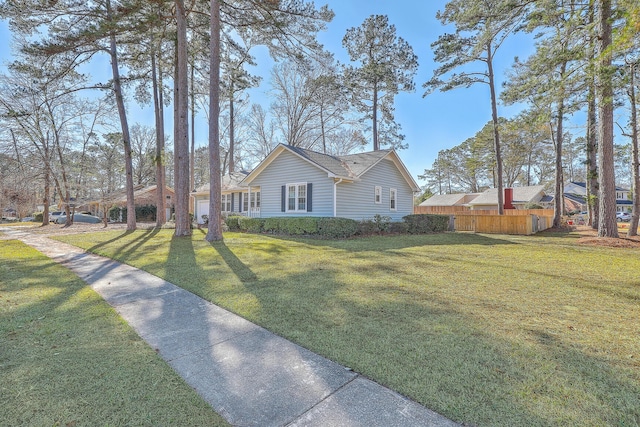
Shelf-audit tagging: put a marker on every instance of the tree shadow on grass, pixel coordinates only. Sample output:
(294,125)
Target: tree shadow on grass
(442,345)
(67,358)
(403,241)
(451,361)
(106,242)
(130,247)
(240,269)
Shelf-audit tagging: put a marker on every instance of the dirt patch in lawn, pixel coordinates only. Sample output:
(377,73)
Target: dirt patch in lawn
(589,236)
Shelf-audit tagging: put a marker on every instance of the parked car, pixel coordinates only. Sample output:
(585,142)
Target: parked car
(623,216)
(79,217)
(28,219)
(53,216)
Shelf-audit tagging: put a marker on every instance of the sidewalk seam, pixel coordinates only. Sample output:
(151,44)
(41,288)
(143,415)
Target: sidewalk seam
(297,418)
(206,347)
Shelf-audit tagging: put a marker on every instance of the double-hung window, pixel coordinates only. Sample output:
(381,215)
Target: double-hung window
(377,194)
(393,197)
(245,202)
(255,200)
(297,197)
(226,202)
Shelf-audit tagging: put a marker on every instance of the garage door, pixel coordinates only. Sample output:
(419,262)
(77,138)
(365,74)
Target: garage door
(203,209)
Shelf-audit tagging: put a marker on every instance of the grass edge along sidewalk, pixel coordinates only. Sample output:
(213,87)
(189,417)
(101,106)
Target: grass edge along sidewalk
(67,358)
(486,330)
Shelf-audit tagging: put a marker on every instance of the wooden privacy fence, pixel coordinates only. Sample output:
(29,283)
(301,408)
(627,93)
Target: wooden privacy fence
(514,221)
(502,224)
(464,210)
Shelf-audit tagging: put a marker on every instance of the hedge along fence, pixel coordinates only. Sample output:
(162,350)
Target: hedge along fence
(337,228)
(426,223)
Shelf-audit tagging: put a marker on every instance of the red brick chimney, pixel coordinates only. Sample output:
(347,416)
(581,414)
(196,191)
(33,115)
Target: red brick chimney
(508,198)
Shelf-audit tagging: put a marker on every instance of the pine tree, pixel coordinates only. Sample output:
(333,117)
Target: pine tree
(387,66)
(481,28)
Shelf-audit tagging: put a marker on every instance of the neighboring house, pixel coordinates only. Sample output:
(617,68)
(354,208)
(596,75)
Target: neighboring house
(522,196)
(9,213)
(449,199)
(142,195)
(235,198)
(577,193)
(293,181)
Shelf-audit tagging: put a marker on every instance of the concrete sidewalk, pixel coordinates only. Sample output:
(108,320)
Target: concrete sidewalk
(248,375)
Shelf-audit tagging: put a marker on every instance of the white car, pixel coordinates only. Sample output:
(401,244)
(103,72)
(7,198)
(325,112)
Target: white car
(53,216)
(623,216)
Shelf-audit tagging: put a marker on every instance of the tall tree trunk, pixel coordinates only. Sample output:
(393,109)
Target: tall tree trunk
(65,183)
(496,133)
(47,184)
(124,125)
(181,151)
(322,133)
(635,160)
(592,137)
(214,232)
(608,226)
(376,145)
(592,158)
(161,217)
(232,139)
(192,152)
(558,200)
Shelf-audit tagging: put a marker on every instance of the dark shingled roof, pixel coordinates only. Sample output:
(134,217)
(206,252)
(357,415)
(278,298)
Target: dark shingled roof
(351,165)
(229,182)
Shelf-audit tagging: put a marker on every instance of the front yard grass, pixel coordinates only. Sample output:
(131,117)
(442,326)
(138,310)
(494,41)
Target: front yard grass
(67,358)
(487,330)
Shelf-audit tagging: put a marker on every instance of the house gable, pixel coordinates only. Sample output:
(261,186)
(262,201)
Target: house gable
(289,168)
(329,165)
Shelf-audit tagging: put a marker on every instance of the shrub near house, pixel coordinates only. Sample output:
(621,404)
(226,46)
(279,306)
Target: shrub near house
(296,182)
(338,228)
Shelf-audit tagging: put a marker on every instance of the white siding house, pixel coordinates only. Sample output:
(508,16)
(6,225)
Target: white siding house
(298,182)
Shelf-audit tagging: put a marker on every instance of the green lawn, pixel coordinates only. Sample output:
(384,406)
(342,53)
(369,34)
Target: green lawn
(487,330)
(67,358)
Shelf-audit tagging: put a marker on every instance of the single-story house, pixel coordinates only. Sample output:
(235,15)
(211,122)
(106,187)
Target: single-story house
(459,199)
(293,181)
(522,196)
(142,195)
(235,198)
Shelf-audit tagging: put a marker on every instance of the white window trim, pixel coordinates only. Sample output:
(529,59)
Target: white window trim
(255,199)
(377,195)
(297,197)
(393,196)
(225,200)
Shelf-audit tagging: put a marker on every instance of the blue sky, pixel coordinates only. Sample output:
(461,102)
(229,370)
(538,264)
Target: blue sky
(439,121)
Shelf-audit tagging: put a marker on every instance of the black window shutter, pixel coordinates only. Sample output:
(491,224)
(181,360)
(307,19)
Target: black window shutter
(309,197)
(232,194)
(240,200)
(283,198)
